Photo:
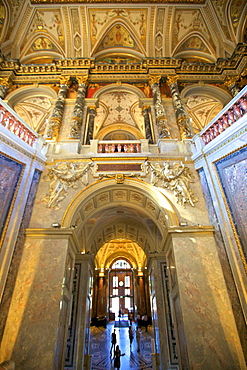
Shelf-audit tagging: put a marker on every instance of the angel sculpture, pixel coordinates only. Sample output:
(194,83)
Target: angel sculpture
(176,178)
(64,176)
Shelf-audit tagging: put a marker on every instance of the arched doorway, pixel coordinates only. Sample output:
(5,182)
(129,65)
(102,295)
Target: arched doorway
(119,276)
(133,215)
(121,290)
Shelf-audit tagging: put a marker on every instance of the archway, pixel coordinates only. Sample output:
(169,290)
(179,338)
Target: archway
(113,221)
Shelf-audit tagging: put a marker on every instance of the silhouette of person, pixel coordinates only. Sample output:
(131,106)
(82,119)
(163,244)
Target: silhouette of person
(113,342)
(138,338)
(131,335)
(117,355)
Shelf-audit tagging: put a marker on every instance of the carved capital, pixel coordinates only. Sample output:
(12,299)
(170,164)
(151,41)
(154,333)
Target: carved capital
(172,80)
(65,80)
(82,79)
(6,82)
(154,79)
(231,80)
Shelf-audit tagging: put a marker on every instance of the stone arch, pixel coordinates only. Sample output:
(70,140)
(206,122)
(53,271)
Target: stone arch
(139,51)
(135,211)
(132,124)
(33,104)
(207,90)
(26,92)
(5,22)
(203,104)
(206,54)
(115,87)
(55,52)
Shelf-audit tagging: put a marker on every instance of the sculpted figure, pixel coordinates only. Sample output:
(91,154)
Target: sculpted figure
(62,177)
(176,178)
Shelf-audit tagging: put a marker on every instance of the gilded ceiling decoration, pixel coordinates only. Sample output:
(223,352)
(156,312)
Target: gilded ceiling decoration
(49,24)
(202,110)
(116,1)
(188,21)
(118,108)
(34,111)
(134,19)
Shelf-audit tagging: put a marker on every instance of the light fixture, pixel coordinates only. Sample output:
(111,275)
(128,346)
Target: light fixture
(183,224)
(56,225)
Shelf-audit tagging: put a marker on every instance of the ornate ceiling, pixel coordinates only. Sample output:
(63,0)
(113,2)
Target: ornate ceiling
(41,31)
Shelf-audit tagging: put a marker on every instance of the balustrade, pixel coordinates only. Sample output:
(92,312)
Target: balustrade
(18,128)
(119,147)
(232,114)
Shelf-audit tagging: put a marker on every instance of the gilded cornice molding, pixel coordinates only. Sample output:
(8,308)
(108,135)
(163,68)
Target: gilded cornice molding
(117,1)
(151,66)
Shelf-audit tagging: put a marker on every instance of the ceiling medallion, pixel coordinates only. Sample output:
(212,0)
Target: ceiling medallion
(116,1)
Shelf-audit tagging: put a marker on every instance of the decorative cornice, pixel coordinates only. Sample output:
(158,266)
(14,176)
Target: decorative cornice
(151,66)
(116,1)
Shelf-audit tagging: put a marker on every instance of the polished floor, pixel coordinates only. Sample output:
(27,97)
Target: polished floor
(134,360)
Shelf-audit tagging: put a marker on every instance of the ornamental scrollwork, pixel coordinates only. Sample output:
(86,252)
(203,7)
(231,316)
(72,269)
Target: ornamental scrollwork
(175,177)
(64,176)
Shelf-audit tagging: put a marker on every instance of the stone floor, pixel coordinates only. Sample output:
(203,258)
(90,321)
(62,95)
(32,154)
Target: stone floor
(132,360)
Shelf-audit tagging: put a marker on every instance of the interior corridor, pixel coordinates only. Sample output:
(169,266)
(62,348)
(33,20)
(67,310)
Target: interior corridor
(101,345)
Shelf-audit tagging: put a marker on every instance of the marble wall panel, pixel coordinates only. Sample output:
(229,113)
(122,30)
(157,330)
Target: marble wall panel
(226,269)
(15,263)
(10,172)
(34,314)
(233,176)
(210,330)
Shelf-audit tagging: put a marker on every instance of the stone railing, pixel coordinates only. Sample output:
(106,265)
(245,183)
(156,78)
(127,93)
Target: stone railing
(114,147)
(231,113)
(10,120)
(119,147)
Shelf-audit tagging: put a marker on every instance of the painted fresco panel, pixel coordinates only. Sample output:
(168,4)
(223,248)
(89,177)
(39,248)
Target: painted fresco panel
(10,172)
(232,171)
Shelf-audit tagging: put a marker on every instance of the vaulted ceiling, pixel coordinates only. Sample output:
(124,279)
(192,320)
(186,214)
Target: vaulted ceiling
(40,31)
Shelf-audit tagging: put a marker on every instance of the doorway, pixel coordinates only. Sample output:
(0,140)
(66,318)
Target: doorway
(121,290)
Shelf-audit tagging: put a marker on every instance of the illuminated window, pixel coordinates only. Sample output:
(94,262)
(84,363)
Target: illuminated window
(114,291)
(127,281)
(121,264)
(127,291)
(115,281)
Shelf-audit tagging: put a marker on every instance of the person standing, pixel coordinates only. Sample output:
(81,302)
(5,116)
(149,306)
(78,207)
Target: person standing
(117,355)
(145,321)
(113,342)
(131,335)
(138,320)
(138,338)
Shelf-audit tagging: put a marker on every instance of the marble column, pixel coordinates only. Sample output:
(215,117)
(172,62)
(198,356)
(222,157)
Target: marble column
(160,323)
(81,344)
(5,84)
(55,121)
(206,331)
(76,120)
(35,333)
(147,124)
(141,295)
(231,85)
(91,117)
(161,119)
(183,120)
